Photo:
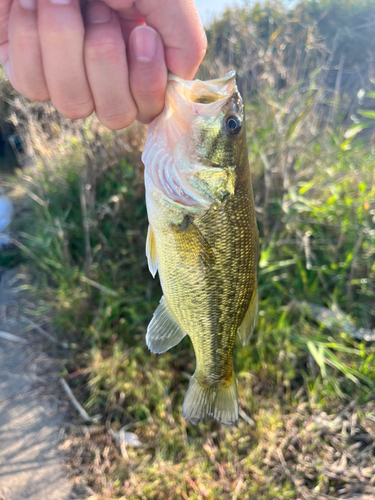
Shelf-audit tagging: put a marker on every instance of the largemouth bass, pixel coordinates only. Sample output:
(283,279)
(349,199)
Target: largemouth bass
(202,237)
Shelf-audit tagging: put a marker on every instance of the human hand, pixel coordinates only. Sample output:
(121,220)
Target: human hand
(111,57)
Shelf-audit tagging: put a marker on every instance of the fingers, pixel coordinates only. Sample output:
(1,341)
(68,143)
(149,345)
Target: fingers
(51,56)
(26,73)
(106,66)
(61,34)
(116,104)
(180,27)
(148,72)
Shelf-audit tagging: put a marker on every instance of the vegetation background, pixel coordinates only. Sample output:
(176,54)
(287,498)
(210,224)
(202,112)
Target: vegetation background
(306,380)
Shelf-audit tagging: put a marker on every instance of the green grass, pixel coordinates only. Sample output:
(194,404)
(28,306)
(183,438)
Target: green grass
(293,369)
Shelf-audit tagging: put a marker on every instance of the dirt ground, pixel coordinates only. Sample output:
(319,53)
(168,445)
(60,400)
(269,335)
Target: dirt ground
(31,467)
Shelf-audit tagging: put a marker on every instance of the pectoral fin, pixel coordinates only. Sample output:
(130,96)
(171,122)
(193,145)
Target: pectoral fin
(164,331)
(152,257)
(247,327)
(192,242)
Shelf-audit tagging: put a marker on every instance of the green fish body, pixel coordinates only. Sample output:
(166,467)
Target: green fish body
(203,237)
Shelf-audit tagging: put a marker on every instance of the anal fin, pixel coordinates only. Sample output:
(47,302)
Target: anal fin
(152,257)
(164,331)
(247,327)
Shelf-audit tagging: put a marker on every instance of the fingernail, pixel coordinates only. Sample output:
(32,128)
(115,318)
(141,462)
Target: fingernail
(60,2)
(28,4)
(144,43)
(98,13)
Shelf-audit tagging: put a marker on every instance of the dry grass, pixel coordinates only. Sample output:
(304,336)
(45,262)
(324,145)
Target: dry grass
(294,452)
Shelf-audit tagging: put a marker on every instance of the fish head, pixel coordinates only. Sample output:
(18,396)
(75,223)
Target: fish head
(201,132)
(214,118)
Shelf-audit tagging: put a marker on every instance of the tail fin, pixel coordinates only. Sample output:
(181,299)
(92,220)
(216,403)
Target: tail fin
(205,401)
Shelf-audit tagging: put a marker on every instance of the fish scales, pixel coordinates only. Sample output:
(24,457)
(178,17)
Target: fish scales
(203,237)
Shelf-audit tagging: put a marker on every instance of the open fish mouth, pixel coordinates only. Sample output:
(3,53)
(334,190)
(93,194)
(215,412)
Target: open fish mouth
(205,92)
(230,76)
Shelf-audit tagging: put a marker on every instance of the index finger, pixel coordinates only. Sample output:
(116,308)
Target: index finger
(178,23)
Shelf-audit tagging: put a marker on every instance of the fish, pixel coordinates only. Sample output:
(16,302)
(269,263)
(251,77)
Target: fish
(202,237)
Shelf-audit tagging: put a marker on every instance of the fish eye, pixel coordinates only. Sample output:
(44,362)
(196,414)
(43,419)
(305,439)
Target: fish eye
(232,125)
